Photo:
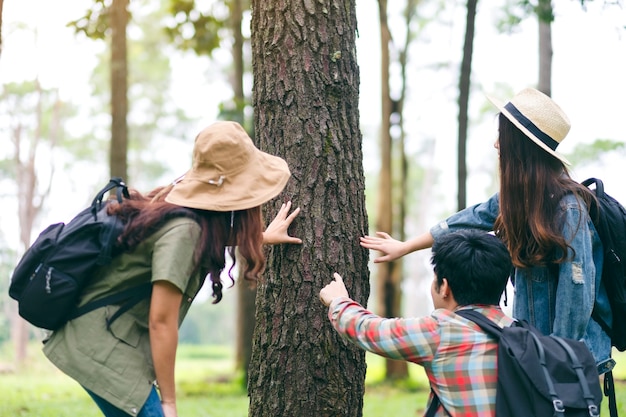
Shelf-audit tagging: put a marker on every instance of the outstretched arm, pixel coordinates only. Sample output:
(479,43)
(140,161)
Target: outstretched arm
(278,230)
(393,249)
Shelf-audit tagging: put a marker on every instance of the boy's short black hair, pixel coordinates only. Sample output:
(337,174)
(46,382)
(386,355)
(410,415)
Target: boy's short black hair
(476,264)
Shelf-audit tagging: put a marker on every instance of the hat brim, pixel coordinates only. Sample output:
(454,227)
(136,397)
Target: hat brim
(247,189)
(500,105)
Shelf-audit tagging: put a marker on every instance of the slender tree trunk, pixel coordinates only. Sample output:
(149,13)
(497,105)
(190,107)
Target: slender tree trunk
(1,8)
(389,275)
(464,91)
(409,13)
(245,325)
(306,82)
(30,200)
(545,16)
(245,294)
(236,16)
(119,89)
(28,210)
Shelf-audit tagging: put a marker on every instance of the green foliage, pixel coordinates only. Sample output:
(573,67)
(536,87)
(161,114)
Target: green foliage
(512,15)
(154,121)
(193,29)
(590,153)
(95,23)
(515,11)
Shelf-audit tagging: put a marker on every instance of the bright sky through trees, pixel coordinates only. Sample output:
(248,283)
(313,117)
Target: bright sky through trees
(588,80)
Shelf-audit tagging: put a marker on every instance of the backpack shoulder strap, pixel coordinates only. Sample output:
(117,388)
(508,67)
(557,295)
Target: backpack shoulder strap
(488,326)
(594,210)
(434,405)
(126,299)
(121,193)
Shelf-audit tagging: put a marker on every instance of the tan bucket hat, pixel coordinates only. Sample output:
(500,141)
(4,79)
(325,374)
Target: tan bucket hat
(228,172)
(540,118)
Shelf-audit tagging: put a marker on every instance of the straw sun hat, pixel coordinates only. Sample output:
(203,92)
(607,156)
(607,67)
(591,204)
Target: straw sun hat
(538,117)
(228,172)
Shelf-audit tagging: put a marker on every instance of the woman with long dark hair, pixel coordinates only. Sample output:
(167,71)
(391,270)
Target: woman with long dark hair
(174,237)
(541,214)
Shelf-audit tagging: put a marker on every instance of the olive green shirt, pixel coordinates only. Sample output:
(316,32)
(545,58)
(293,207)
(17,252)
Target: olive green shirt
(116,363)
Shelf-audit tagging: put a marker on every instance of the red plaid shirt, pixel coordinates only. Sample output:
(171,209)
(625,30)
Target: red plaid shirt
(460,360)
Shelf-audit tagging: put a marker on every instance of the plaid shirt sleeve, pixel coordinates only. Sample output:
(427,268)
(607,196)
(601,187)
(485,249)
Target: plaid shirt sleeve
(458,357)
(412,339)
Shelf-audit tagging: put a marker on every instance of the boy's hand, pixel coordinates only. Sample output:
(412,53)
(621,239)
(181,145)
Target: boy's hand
(333,290)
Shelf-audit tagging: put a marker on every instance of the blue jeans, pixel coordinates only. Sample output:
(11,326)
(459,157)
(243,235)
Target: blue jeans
(151,408)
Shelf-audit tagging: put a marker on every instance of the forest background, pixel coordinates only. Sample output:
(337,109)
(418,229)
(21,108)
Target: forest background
(184,92)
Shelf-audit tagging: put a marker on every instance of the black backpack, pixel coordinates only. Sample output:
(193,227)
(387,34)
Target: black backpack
(48,280)
(539,375)
(609,219)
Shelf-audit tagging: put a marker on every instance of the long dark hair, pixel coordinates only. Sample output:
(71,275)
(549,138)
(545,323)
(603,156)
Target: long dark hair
(145,214)
(532,183)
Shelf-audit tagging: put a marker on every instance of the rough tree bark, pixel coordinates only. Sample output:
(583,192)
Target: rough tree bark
(306,82)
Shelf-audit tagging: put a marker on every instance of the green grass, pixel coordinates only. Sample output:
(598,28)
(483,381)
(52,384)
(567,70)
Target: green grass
(208,388)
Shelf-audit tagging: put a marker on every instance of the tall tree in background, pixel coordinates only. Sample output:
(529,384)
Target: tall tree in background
(517,10)
(389,277)
(110,18)
(545,17)
(35,127)
(464,92)
(207,36)
(119,89)
(305,90)
(154,121)
(1,8)
(246,295)
(403,59)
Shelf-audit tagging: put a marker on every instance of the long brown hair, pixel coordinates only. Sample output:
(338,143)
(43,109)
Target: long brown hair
(220,233)
(532,183)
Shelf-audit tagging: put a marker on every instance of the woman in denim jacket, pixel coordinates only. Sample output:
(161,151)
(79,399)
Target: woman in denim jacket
(541,214)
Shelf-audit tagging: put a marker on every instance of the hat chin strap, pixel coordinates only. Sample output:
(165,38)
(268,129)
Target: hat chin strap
(524,121)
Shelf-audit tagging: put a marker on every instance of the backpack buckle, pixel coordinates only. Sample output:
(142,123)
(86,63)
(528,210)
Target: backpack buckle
(593,411)
(558,406)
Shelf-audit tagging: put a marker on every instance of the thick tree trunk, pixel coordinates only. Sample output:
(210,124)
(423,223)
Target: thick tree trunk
(464,91)
(119,88)
(306,84)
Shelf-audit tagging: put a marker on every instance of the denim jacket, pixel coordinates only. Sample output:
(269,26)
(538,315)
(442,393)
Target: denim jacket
(560,306)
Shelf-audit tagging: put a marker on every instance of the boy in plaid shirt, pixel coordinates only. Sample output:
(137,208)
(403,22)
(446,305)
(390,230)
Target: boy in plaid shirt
(471,271)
